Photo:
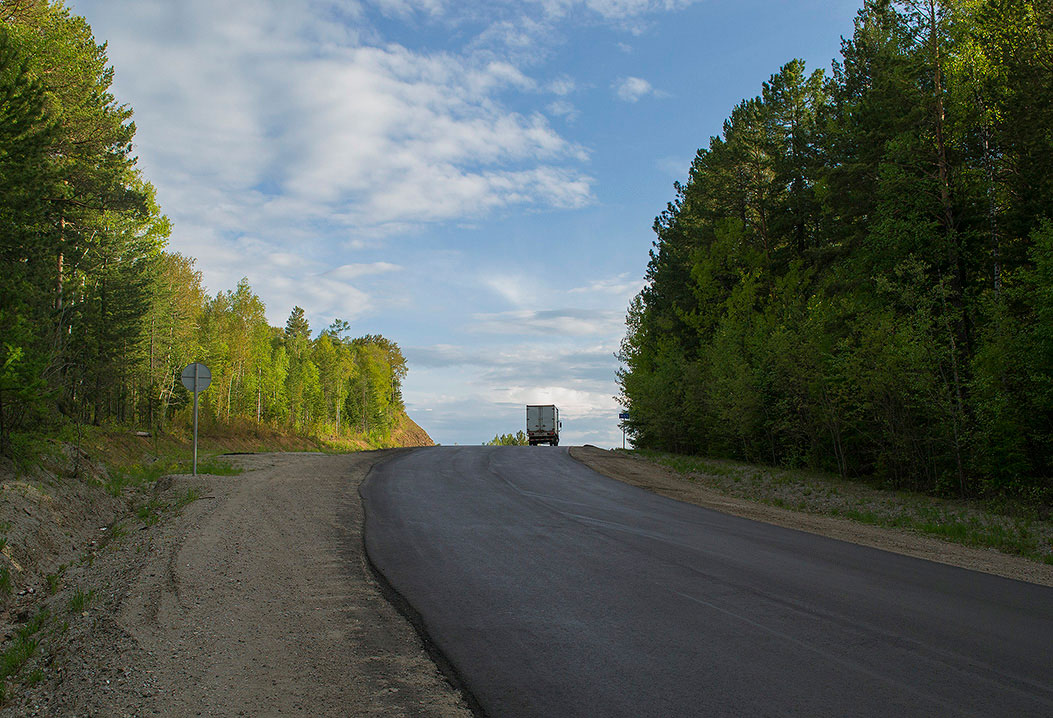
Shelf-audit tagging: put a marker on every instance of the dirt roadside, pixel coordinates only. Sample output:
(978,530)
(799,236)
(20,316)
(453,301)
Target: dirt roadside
(255,599)
(665,482)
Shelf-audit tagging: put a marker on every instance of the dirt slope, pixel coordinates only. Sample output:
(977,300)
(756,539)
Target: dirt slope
(254,599)
(409,433)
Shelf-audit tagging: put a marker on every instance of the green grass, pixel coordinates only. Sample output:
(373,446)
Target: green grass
(23,647)
(53,581)
(150,512)
(120,479)
(30,450)
(35,676)
(21,650)
(189,497)
(216,466)
(79,600)
(135,476)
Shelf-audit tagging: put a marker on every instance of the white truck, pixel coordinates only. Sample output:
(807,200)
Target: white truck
(543,424)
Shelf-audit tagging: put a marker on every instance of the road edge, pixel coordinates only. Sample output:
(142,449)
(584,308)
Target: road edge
(667,483)
(405,608)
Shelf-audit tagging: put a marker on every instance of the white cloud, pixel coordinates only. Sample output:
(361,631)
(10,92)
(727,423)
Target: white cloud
(630,8)
(285,110)
(353,271)
(566,322)
(404,8)
(622,285)
(562,108)
(631,89)
(517,290)
(612,9)
(562,86)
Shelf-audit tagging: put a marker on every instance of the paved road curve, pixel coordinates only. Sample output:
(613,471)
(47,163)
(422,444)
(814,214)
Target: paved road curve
(557,592)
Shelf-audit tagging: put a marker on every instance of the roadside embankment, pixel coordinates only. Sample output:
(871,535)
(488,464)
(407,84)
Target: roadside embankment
(821,507)
(228,595)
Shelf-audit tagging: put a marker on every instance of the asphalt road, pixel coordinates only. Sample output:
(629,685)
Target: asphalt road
(558,592)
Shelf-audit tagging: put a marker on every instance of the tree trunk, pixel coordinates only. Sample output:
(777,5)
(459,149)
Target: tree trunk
(3,427)
(59,268)
(150,379)
(992,210)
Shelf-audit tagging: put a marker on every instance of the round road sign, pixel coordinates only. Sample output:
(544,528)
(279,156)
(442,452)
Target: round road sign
(196,377)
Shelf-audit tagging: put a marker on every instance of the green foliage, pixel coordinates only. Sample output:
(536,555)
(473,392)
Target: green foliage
(858,274)
(96,319)
(517,439)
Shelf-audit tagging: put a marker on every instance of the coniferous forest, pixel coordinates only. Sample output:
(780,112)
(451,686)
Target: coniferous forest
(857,275)
(96,317)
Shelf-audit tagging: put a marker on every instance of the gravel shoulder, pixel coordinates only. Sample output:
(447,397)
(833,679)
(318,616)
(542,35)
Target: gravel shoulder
(647,475)
(254,598)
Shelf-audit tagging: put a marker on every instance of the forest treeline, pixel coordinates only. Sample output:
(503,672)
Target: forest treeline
(858,273)
(96,317)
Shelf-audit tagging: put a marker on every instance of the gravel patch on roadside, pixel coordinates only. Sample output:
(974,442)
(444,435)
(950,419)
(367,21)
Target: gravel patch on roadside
(664,481)
(251,595)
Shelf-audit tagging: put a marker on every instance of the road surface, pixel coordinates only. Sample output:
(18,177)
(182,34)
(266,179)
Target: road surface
(555,591)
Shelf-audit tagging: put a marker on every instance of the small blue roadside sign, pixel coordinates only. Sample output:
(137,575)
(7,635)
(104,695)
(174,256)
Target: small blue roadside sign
(623,415)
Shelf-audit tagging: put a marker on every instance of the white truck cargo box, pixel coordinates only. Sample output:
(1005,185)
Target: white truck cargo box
(542,424)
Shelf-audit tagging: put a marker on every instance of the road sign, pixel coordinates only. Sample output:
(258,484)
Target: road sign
(196,378)
(623,415)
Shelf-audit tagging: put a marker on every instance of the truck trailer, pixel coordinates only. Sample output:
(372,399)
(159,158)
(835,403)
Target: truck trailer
(543,424)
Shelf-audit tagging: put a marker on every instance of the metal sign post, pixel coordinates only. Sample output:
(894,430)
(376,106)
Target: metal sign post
(196,378)
(623,416)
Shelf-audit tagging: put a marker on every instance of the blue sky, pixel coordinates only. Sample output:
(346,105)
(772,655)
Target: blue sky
(474,180)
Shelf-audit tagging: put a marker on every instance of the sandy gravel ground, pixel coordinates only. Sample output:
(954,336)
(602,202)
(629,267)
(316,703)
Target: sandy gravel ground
(253,600)
(660,480)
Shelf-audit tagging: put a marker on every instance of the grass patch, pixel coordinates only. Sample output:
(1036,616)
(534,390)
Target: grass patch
(150,512)
(53,581)
(217,467)
(142,475)
(192,494)
(79,600)
(21,650)
(135,476)
(23,647)
(863,517)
